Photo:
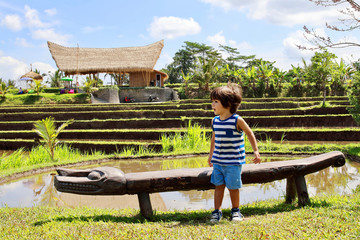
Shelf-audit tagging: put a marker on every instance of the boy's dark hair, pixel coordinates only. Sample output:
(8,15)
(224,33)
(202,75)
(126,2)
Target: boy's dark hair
(229,96)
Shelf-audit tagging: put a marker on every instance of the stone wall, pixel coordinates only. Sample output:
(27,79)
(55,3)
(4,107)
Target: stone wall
(142,95)
(108,95)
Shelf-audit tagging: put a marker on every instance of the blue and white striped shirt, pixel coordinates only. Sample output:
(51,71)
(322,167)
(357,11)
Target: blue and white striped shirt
(229,142)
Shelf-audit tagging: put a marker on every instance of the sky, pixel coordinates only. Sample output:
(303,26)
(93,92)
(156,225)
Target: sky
(269,29)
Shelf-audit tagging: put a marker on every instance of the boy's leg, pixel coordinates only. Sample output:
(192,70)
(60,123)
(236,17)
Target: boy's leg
(235,197)
(218,196)
(235,201)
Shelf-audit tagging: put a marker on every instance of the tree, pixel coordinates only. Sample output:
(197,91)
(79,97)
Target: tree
(3,89)
(89,85)
(321,70)
(234,57)
(265,70)
(183,62)
(350,22)
(37,86)
(342,74)
(206,72)
(354,96)
(45,128)
(55,78)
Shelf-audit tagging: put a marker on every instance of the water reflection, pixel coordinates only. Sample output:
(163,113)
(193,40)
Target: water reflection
(39,190)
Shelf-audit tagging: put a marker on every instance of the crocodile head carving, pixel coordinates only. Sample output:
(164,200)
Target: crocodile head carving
(97,181)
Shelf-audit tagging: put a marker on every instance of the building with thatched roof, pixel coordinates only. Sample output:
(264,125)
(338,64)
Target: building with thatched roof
(138,62)
(32,75)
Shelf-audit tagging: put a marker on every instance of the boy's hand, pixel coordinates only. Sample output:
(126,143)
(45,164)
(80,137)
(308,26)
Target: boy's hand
(257,157)
(209,162)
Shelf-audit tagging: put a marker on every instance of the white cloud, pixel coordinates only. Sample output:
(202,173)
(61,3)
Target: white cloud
(217,39)
(43,67)
(297,38)
(22,42)
(12,22)
(243,46)
(89,29)
(11,68)
(173,27)
(164,59)
(51,12)
(51,35)
(32,18)
(280,12)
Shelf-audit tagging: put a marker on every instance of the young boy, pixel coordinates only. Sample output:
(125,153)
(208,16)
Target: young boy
(227,150)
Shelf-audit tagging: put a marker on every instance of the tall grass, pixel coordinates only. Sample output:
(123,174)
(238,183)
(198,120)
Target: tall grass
(194,139)
(13,160)
(39,157)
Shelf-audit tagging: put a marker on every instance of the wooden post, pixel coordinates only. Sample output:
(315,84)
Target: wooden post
(302,193)
(145,204)
(290,190)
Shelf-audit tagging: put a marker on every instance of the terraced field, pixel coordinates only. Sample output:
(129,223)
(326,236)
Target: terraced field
(112,127)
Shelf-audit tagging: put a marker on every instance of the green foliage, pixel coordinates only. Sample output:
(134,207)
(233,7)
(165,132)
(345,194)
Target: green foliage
(354,96)
(90,86)
(44,98)
(3,89)
(193,140)
(55,78)
(47,131)
(15,160)
(37,86)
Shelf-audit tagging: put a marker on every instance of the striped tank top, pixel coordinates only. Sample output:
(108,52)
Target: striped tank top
(229,142)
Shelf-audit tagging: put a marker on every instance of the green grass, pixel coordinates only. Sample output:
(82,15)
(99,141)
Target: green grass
(330,217)
(194,139)
(38,157)
(44,98)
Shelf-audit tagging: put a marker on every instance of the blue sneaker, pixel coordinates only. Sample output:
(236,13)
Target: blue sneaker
(216,216)
(236,215)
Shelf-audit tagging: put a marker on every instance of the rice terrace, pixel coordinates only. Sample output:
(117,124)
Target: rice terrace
(107,146)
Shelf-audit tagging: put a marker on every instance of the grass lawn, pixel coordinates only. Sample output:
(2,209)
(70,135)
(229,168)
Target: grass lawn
(330,217)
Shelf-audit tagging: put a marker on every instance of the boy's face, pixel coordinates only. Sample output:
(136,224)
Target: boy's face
(218,107)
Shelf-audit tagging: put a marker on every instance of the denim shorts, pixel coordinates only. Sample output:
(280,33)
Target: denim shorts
(228,175)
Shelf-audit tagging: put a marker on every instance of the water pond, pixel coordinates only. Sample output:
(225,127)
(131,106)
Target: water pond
(39,190)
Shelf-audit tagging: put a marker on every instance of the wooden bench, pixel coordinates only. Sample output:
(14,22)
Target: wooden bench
(144,183)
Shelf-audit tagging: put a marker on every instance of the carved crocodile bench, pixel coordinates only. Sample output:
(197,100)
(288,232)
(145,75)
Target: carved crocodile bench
(112,181)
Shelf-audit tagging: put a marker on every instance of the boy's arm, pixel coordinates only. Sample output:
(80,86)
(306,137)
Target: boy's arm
(212,147)
(241,124)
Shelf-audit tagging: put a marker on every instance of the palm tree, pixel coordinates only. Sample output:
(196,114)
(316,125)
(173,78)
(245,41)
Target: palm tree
(37,86)
(206,71)
(3,89)
(55,78)
(89,85)
(45,128)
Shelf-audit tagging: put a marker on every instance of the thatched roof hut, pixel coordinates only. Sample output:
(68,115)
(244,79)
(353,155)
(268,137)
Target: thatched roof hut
(75,60)
(32,75)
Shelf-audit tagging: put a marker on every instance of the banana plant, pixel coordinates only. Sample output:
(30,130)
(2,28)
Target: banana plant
(3,89)
(89,86)
(46,129)
(37,86)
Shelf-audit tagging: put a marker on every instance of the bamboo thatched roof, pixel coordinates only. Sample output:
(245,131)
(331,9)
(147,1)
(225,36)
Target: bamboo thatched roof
(32,75)
(75,60)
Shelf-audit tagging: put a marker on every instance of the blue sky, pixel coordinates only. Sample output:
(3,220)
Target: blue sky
(267,28)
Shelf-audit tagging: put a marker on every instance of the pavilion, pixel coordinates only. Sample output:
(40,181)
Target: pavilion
(138,62)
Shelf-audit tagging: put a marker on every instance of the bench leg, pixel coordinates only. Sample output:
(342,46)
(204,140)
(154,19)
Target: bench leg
(302,193)
(145,205)
(290,190)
